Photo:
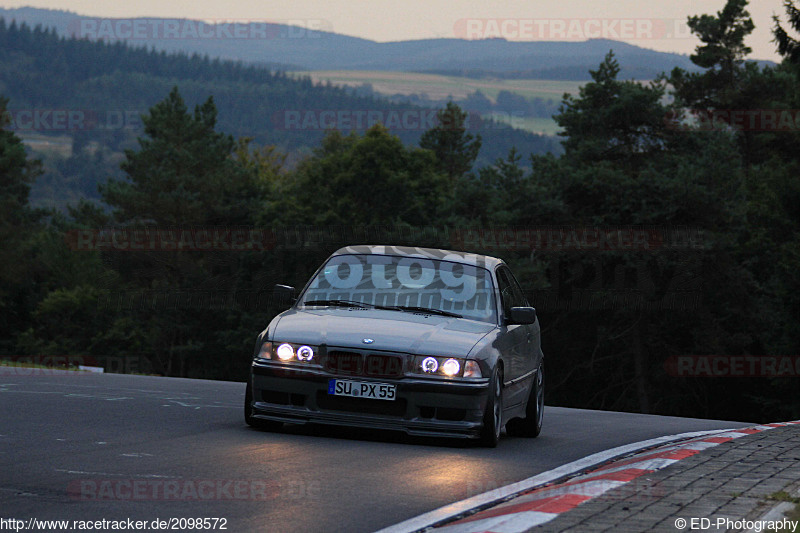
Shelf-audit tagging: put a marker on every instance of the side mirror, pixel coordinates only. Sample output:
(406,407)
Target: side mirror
(522,315)
(284,295)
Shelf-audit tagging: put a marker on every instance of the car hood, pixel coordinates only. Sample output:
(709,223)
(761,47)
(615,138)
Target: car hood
(390,330)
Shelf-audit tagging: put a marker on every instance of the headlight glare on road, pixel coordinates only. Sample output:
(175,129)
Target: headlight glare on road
(451,367)
(305,353)
(285,352)
(430,365)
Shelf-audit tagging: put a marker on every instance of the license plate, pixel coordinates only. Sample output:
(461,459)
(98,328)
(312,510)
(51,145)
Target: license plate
(361,389)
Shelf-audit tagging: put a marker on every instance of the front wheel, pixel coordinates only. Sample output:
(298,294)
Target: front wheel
(493,414)
(531,425)
(258,423)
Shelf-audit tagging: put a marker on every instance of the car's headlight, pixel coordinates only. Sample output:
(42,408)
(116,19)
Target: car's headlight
(451,367)
(305,353)
(446,366)
(287,352)
(429,365)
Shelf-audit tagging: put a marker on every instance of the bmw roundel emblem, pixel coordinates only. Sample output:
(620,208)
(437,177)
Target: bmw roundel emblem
(368,341)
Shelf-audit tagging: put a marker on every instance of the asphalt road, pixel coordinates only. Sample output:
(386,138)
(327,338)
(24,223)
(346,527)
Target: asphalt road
(104,446)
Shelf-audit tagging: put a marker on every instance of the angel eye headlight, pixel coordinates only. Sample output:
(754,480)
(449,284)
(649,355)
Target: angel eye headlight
(305,353)
(285,352)
(430,365)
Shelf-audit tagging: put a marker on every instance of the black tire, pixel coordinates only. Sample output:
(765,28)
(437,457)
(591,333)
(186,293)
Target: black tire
(493,414)
(269,425)
(531,425)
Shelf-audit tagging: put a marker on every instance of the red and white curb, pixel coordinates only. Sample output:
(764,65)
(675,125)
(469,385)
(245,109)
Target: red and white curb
(542,498)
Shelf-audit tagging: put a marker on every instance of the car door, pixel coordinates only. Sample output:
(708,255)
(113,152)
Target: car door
(516,339)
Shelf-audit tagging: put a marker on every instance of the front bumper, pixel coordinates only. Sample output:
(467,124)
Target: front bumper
(426,407)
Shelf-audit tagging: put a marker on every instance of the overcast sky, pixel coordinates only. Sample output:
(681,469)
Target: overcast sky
(656,24)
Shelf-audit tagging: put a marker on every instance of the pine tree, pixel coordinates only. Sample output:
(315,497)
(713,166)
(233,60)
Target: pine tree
(613,120)
(722,55)
(455,149)
(788,46)
(184,172)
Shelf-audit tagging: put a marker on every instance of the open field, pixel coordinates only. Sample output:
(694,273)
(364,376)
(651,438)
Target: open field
(545,126)
(440,87)
(437,86)
(47,144)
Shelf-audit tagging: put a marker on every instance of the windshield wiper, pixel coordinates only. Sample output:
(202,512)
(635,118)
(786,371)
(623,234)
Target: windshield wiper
(354,304)
(428,310)
(340,303)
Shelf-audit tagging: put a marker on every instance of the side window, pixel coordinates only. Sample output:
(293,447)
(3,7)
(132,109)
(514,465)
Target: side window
(519,294)
(509,296)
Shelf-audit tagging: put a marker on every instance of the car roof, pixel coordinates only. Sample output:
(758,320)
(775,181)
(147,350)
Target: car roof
(429,253)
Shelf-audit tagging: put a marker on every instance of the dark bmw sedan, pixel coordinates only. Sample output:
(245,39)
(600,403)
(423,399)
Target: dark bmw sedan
(430,342)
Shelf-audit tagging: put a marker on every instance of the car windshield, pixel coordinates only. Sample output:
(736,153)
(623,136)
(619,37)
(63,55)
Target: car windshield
(415,283)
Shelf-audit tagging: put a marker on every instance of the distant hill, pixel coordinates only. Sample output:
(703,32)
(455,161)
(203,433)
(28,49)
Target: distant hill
(105,87)
(299,48)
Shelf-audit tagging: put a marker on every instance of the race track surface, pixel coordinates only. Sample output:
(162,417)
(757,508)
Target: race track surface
(78,446)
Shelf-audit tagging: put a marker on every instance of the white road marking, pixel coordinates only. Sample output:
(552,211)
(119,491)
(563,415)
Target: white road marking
(184,404)
(85,473)
(499,524)
(18,493)
(31,392)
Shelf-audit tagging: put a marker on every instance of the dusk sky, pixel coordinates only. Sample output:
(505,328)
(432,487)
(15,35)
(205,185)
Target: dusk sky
(656,24)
